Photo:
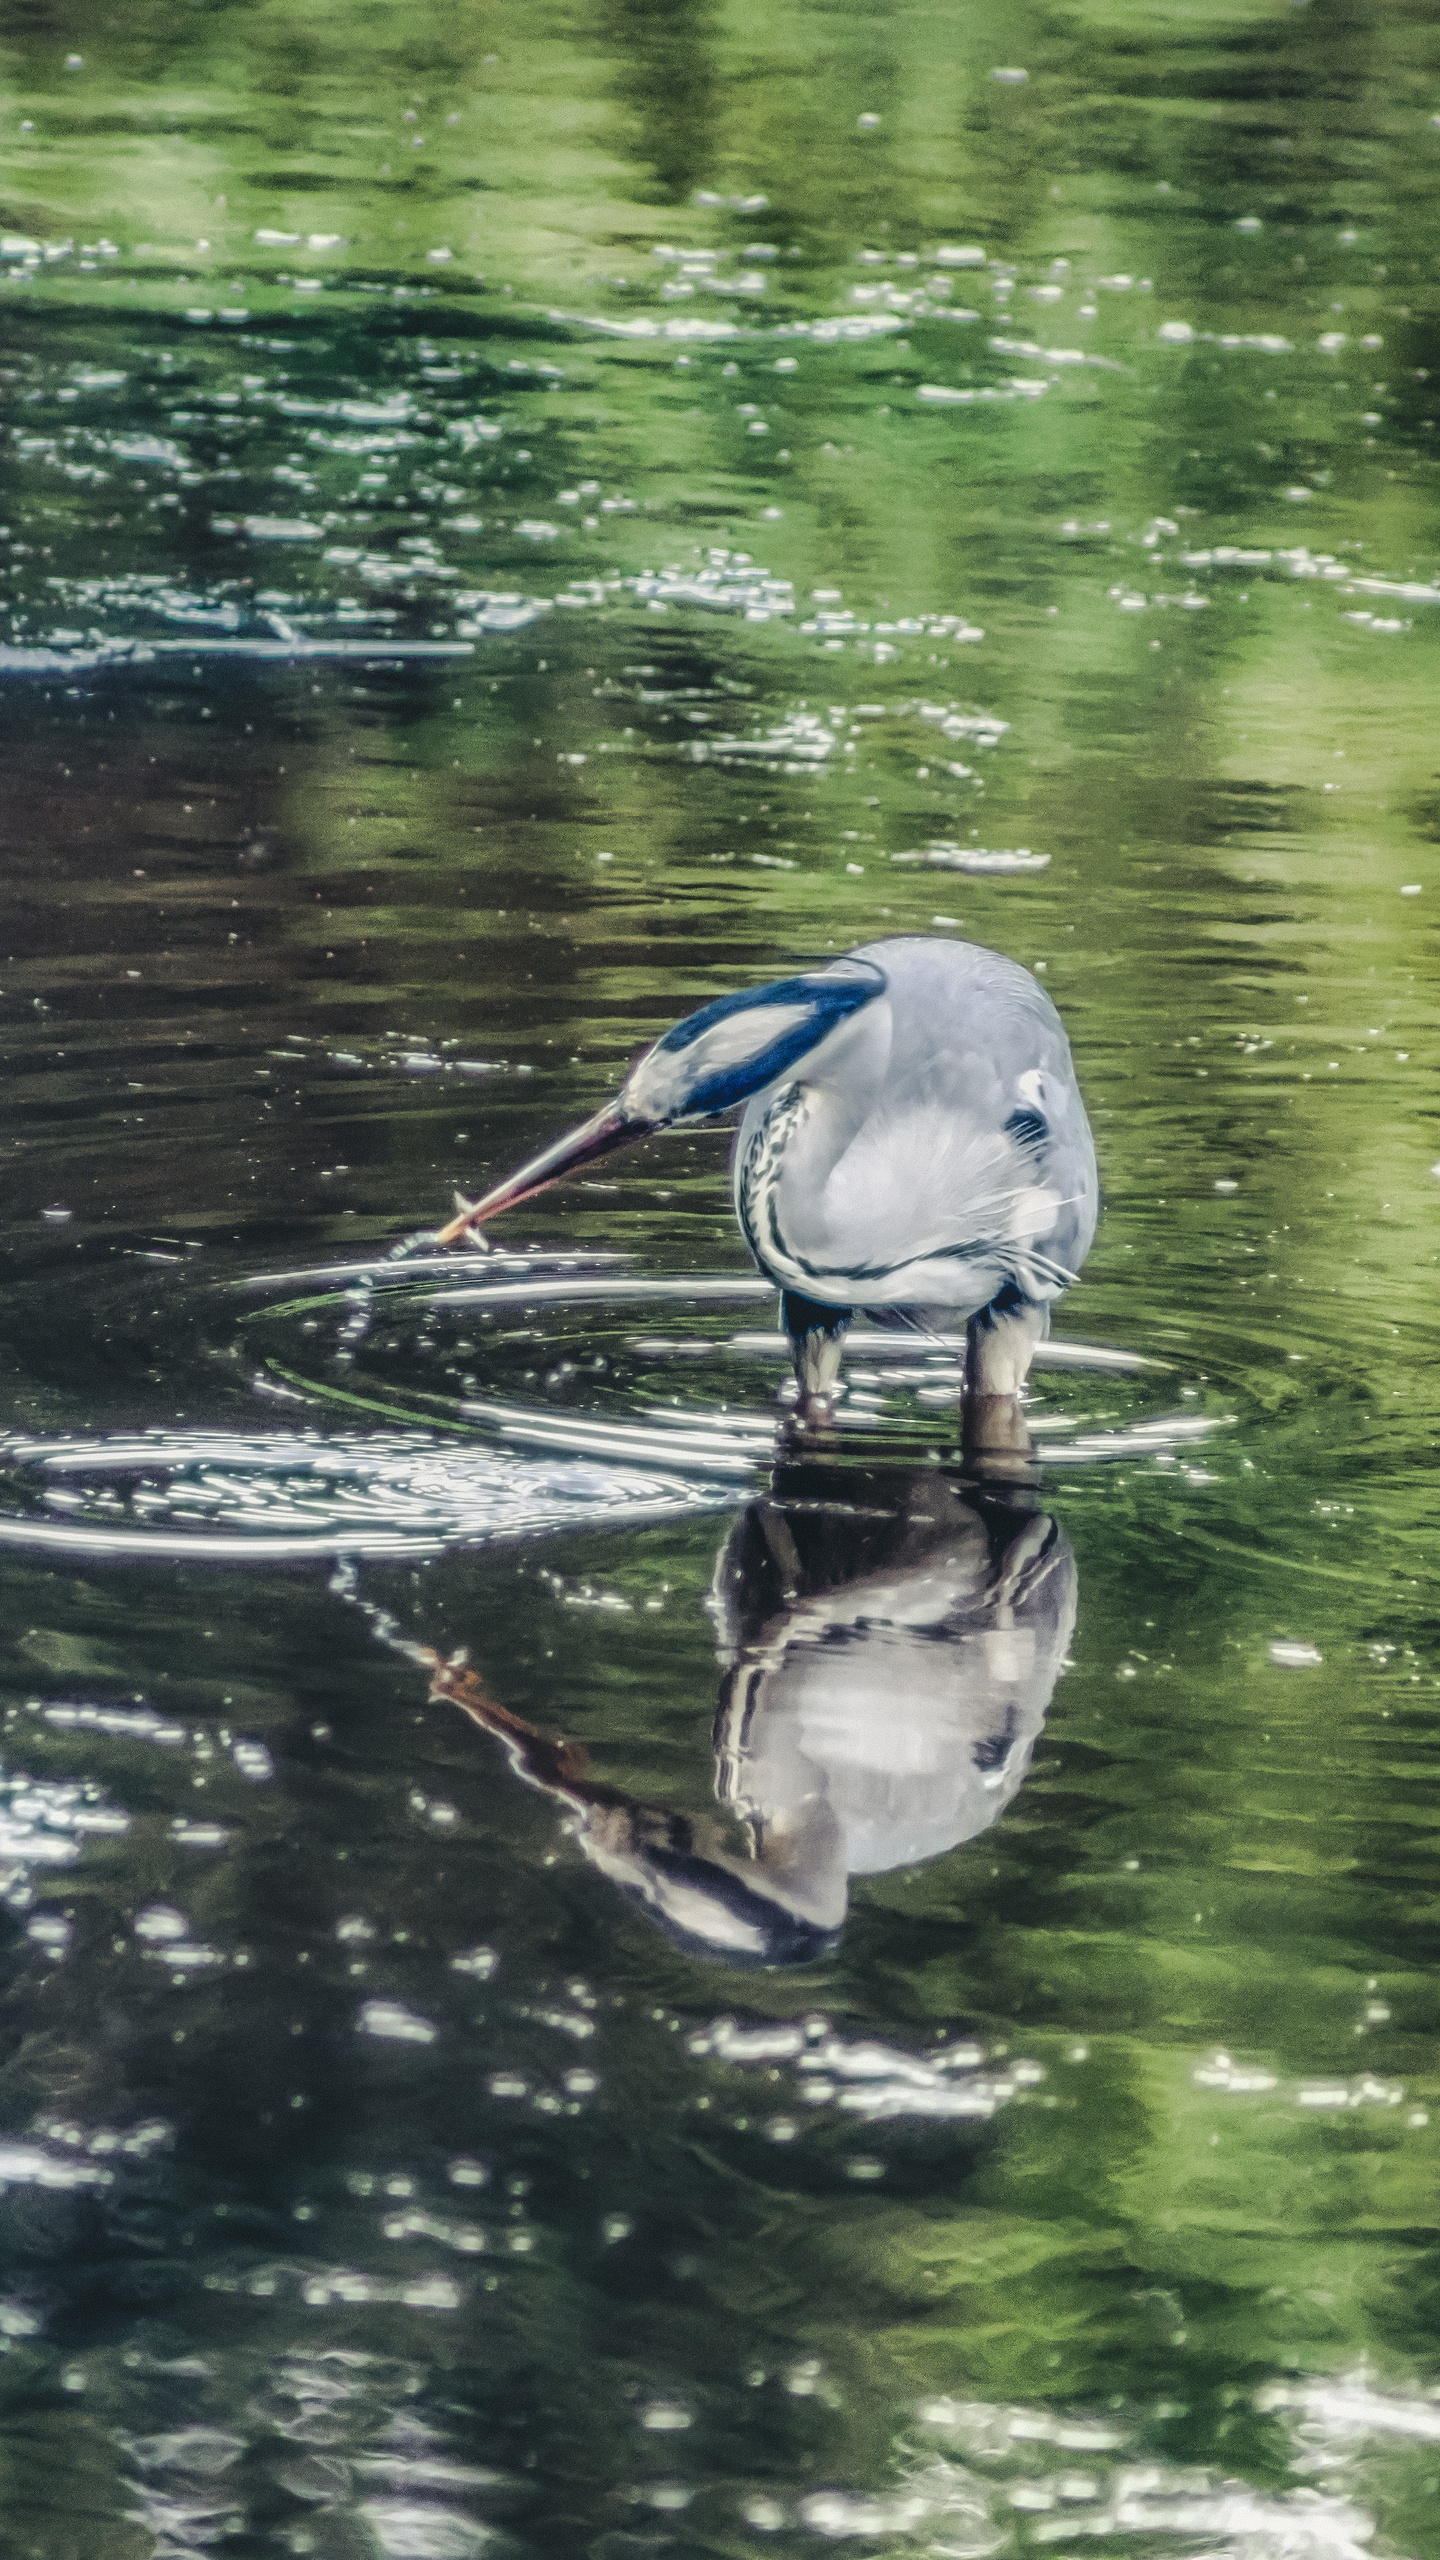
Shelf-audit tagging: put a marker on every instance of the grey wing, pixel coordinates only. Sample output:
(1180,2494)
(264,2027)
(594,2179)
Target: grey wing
(1049,1134)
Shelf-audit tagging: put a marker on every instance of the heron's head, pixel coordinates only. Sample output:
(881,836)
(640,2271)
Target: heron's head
(706,1065)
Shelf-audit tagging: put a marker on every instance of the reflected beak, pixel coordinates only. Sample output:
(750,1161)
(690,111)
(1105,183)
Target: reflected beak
(609,1129)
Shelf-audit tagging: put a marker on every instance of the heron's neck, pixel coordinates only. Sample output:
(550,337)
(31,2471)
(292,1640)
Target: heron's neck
(789,1142)
(795,1133)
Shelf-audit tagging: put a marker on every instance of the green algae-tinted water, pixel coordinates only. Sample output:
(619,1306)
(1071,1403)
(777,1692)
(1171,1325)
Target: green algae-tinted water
(515,524)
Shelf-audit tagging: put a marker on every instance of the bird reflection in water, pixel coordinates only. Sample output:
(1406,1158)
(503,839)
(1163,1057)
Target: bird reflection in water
(890,1641)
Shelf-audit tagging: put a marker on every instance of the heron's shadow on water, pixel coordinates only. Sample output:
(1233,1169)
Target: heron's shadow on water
(889,1639)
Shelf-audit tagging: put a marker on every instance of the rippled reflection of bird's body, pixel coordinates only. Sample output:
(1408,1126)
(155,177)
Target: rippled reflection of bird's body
(890,1642)
(887,1677)
(913,1143)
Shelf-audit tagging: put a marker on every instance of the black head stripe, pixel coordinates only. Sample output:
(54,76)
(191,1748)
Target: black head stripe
(833,997)
(825,998)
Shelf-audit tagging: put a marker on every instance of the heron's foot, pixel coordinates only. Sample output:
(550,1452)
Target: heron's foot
(817,1338)
(812,1415)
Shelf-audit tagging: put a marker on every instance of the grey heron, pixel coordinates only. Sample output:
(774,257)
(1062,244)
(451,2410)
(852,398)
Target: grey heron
(913,1143)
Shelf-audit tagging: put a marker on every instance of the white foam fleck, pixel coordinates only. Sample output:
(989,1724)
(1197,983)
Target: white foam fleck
(1348,2094)
(274,528)
(416,2224)
(1219,2072)
(852,325)
(1053,355)
(732,2043)
(1351,2407)
(842,2515)
(1019,387)
(139,1723)
(188,1960)
(804,739)
(347,2285)
(44,1823)
(30,2164)
(866,2078)
(394,2023)
(479,1962)
(944,856)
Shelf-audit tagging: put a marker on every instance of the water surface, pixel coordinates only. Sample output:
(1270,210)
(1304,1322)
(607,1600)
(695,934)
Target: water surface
(576,1982)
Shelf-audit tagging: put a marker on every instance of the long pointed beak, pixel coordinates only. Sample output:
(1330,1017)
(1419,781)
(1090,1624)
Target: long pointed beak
(609,1129)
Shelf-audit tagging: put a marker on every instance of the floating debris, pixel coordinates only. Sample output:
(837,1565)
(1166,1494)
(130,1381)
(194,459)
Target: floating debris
(974,857)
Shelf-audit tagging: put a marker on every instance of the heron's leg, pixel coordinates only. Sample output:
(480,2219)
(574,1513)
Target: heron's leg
(999,1347)
(1000,1344)
(816,1335)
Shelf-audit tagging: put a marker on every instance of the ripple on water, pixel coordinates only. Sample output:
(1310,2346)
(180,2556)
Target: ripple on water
(371,1333)
(234,1496)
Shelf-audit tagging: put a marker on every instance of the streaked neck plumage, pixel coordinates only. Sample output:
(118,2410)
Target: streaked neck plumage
(792,1137)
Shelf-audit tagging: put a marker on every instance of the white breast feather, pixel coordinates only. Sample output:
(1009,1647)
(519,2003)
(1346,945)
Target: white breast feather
(923,1180)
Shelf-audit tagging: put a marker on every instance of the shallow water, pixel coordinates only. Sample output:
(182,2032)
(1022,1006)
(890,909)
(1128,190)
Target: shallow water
(514,526)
